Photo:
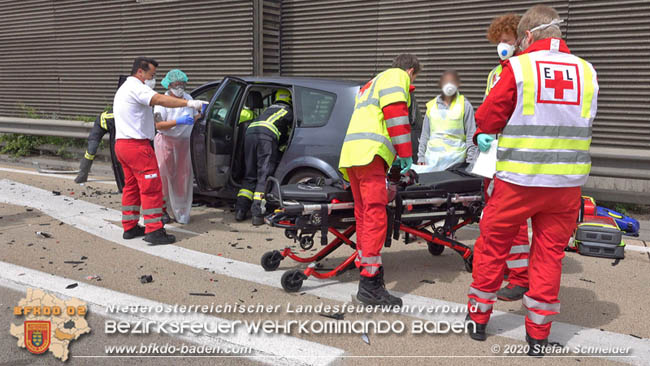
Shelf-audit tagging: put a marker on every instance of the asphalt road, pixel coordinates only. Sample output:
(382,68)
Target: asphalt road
(602,305)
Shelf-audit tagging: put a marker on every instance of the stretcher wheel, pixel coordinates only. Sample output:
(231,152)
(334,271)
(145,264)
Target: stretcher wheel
(435,249)
(292,280)
(468,263)
(271,260)
(306,242)
(290,234)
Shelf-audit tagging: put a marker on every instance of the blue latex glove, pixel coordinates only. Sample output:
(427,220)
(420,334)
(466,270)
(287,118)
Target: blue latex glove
(405,164)
(185,119)
(205,106)
(484,141)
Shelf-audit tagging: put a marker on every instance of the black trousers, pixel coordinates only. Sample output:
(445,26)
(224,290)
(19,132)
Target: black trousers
(261,158)
(95,138)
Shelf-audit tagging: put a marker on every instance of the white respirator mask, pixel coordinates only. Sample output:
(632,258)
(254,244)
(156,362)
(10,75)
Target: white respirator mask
(150,83)
(505,50)
(449,89)
(179,92)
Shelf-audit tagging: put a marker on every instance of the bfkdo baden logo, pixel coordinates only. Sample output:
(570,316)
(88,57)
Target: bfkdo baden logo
(37,335)
(50,324)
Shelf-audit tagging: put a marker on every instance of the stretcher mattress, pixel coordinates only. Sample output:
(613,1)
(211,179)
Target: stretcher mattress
(441,182)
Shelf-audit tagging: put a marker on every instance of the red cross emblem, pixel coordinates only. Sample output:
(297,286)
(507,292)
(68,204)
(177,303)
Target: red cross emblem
(558,83)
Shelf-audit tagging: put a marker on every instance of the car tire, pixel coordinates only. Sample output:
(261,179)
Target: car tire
(303,175)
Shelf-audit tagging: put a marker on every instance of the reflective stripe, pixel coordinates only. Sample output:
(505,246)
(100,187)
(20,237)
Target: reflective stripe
(529,85)
(483,307)
(277,115)
(546,130)
(131,208)
(519,263)
(516,249)
(531,303)
(152,211)
(103,118)
(397,121)
(392,90)
(130,217)
(549,169)
(370,269)
(268,125)
(245,193)
(541,143)
(371,260)
(544,156)
(401,139)
(489,296)
(89,156)
(540,319)
(367,102)
(370,136)
(155,219)
(588,93)
(258,196)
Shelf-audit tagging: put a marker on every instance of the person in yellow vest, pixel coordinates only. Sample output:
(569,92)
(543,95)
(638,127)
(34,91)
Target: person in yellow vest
(448,129)
(543,106)
(378,133)
(503,30)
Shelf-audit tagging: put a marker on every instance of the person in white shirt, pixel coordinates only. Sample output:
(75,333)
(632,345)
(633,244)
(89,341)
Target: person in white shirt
(134,130)
(172,146)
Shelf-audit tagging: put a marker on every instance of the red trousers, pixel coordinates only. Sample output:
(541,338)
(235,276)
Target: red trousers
(517,261)
(553,224)
(142,184)
(368,185)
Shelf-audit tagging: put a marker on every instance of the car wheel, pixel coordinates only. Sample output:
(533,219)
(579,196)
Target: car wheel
(304,175)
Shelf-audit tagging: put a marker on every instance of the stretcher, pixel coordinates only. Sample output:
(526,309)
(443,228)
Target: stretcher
(431,206)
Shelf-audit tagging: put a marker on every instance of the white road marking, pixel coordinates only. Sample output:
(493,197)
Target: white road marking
(269,348)
(87,216)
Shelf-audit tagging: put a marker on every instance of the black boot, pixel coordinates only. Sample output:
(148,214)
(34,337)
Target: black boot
(372,291)
(511,292)
(135,232)
(537,346)
(240,215)
(258,220)
(477,334)
(159,237)
(84,169)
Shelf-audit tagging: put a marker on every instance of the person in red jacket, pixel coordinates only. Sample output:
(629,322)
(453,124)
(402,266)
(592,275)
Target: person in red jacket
(503,30)
(543,106)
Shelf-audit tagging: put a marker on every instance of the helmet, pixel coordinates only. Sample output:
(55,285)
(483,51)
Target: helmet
(283,95)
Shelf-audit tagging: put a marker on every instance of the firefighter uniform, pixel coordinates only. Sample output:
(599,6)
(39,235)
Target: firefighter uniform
(548,98)
(105,123)
(517,262)
(378,131)
(263,138)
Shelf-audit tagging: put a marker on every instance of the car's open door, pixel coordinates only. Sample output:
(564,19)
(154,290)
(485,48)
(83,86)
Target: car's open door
(212,136)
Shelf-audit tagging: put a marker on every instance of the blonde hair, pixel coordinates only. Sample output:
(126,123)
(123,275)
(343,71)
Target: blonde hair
(537,15)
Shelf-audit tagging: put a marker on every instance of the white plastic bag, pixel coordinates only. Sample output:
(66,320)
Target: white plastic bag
(175,164)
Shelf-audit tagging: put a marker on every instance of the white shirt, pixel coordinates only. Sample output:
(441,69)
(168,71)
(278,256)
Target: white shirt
(133,114)
(172,114)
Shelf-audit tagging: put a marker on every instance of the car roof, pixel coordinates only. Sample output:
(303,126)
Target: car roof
(301,81)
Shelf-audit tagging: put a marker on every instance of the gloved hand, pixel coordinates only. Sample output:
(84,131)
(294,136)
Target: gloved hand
(484,142)
(196,104)
(203,108)
(405,164)
(185,119)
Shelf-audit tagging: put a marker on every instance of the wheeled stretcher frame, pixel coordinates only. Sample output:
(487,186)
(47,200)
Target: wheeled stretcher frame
(411,212)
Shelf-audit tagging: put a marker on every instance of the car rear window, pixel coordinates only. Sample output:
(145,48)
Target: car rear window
(314,106)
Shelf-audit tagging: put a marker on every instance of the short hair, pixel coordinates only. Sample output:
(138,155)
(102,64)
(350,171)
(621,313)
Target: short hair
(503,24)
(143,63)
(537,15)
(451,72)
(407,61)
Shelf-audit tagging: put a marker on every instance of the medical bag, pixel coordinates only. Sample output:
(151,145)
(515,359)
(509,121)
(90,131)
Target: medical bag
(599,237)
(627,224)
